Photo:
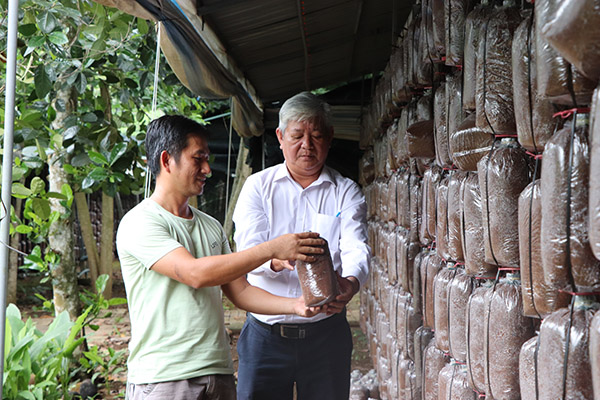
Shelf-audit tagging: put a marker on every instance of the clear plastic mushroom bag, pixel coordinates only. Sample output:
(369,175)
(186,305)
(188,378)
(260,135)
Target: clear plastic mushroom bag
(317,279)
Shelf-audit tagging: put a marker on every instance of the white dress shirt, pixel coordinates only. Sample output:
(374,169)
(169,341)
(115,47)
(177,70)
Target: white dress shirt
(271,204)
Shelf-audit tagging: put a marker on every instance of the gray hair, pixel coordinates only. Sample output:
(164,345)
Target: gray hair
(305,106)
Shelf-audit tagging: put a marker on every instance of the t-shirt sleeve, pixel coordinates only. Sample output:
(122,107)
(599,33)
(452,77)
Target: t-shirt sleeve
(145,239)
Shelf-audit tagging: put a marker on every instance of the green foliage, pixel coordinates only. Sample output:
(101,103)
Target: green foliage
(107,58)
(39,365)
(42,365)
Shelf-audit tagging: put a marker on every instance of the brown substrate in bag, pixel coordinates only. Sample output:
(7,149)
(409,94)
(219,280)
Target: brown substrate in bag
(453,385)
(366,168)
(434,361)
(415,208)
(393,143)
(493,94)
(425,106)
(445,381)
(472,226)
(535,293)
(428,273)
(403,198)
(438,29)
(410,319)
(506,332)
(403,381)
(423,71)
(454,110)
(558,334)
(460,389)
(440,307)
(420,258)
(406,252)
(317,279)
(468,144)
(459,292)
(595,353)
(567,257)
(575,33)
(422,338)
(533,113)
(392,237)
(441,230)
(401,142)
(431,179)
(456,13)
(420,139)
(527,370)
(440,120)
(558,80)
(476,309)
(594,202)
(455,247)
(473,25)
(503,174)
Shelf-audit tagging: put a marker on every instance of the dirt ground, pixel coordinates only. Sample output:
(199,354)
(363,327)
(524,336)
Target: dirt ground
(114,332)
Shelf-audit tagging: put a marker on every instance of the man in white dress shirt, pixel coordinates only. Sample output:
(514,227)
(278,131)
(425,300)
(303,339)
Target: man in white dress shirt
(278,351)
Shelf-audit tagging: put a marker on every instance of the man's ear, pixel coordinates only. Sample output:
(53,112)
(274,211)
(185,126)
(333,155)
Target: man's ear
(165,157)
(279,134)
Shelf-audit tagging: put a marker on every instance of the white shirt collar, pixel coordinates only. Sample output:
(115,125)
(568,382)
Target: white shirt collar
(325,176)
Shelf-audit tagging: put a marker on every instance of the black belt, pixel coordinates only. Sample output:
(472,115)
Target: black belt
(299,331)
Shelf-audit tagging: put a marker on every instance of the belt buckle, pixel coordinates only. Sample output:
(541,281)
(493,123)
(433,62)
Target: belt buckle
(285,330)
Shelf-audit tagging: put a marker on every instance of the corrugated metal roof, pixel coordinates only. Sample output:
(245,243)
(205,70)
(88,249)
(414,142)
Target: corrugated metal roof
(284,47)
(261,52)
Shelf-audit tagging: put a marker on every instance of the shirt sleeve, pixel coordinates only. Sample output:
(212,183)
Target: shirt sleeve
(252,225)
(355,253)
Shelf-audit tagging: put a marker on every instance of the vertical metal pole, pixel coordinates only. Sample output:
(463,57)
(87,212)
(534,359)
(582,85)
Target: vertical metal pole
(7,161)
(228,159)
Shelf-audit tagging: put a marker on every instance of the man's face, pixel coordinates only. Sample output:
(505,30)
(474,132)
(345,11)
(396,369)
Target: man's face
(192,169)
(305,146)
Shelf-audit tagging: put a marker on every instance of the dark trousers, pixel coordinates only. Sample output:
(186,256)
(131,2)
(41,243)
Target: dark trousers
(317,359)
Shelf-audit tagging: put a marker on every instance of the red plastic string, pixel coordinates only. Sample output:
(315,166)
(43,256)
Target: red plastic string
(567,113)
(506,136)
(535,156)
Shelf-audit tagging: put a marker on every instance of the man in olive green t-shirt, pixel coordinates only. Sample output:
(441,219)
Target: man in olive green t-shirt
(174,258)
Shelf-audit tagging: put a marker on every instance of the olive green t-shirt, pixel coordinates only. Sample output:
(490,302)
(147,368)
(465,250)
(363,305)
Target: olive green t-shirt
(177,332)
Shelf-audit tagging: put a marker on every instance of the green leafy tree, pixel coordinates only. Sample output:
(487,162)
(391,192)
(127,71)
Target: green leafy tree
(83,97)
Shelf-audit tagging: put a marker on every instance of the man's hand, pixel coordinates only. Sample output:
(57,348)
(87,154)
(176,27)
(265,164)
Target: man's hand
(297,246)
(278,265)
(348,288)
(302,310)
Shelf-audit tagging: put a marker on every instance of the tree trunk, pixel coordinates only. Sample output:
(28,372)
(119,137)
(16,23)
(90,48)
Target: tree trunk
(107,241)
(85,223)
(60,237)
(242,172)
(13,265)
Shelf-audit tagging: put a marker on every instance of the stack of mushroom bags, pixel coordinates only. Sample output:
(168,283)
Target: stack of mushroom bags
(481,172)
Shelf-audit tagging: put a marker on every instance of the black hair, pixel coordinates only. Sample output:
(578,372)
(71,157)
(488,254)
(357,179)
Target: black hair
(170,133)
